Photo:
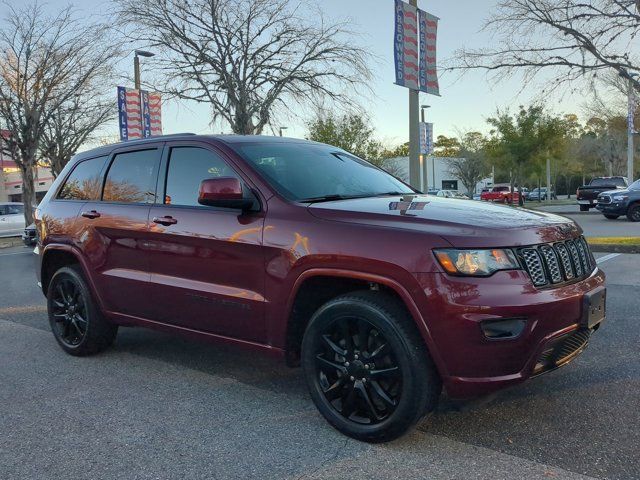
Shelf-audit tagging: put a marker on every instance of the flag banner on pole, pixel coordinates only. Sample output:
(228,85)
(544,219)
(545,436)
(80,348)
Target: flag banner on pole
(146,116)
(130,113)
(428,67)
(155,113)
(406,45)
(139,113)
(426,138)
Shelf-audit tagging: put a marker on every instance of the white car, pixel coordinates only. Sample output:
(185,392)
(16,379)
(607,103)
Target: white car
(11,219)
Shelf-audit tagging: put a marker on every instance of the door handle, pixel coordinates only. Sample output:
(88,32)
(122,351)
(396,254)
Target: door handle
(168,220)
(90,214)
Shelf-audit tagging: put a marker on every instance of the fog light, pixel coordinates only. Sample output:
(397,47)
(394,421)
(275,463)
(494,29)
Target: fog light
(503,329)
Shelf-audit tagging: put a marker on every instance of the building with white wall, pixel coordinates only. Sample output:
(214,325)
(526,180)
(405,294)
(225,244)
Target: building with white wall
(438,172)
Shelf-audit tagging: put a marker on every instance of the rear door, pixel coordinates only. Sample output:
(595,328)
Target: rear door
(207,266)
(114,230)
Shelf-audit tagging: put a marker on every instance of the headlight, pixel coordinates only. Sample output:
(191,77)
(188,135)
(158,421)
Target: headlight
(476,262)
(619,198)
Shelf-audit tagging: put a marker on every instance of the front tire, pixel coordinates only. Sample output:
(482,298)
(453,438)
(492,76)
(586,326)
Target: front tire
(76,321)
(584,208)
(367,368)
(633,214)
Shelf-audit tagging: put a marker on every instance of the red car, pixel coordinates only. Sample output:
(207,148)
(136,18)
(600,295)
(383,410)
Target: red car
(502,193)
(304,252)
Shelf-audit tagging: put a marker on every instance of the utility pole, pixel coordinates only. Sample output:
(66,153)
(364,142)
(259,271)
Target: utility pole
(423,157)
(136,66)
(630,127)
(548,180)
(281,129)
(414,132)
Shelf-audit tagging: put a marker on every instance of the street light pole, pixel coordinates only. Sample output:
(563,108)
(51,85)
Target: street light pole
(423,157)
(136,66)
(630,126)
(414,132)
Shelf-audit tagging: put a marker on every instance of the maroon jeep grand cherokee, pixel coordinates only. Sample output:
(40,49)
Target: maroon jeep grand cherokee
(303,251)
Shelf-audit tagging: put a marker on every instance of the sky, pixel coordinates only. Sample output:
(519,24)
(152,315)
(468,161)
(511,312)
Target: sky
(464,104)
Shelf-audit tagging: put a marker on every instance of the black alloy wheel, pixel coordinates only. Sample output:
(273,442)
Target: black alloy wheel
(69,312)
(633,214)
(357,371)
(367,367)
(76,321)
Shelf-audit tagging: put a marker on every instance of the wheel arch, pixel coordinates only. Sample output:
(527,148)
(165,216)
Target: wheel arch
(56,256)
(305,300)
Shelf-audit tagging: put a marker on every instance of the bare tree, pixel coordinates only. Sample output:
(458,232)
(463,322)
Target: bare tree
(573,38)
(74,123)
(45,61)
(247,58)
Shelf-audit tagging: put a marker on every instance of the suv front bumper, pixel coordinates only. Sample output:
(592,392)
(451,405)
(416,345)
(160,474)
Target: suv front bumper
(457,310)
(615,208)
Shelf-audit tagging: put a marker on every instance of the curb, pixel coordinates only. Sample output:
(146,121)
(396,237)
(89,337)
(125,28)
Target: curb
(10,242)
(613,248)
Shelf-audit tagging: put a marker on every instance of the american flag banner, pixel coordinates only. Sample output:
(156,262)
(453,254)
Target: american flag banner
(139,113)
(129,113)
(155,113)
(406,45)
(428,68)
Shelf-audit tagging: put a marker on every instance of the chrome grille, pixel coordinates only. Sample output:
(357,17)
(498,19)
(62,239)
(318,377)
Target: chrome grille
(566,261)
(551,259)
(557,263)
(575,257)
(534,266)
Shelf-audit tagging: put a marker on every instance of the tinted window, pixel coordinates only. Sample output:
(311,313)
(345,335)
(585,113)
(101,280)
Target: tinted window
(188,166)
(84,182)
(607,182)
(501,189)
(132,177)
(300,171)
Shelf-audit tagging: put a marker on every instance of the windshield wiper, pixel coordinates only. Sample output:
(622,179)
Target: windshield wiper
(331,198)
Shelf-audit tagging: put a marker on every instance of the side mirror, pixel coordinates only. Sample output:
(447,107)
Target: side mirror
(223,192)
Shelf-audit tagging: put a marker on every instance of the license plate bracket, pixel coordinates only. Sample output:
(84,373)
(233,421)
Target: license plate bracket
(594,306)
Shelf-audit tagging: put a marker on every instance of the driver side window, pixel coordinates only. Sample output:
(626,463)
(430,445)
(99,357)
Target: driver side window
(188,166)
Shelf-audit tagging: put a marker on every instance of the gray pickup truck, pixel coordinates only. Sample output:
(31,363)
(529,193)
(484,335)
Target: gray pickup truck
(587,195)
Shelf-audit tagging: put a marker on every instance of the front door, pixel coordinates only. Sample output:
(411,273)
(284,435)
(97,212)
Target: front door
(207,267)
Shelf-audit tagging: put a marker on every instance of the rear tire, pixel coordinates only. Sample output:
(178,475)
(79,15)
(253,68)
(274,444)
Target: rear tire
(633,214)
(76,321)
(367,368)
(611,217)
(584,208)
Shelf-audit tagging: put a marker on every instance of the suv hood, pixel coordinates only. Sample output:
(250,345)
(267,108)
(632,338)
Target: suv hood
(463,223)
(615,192)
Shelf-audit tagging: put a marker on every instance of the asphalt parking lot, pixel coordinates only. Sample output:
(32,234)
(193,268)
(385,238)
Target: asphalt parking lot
(157,406)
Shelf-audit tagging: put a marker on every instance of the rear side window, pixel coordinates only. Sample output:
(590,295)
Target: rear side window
(132,177)
(85,181)
(15,209)
(188,166)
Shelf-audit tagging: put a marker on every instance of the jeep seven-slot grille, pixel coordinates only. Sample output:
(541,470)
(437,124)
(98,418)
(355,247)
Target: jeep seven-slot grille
(554,263)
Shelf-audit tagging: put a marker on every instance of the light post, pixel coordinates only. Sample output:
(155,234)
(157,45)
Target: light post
(281,129)
(423,157)
(136,65)
(631,98)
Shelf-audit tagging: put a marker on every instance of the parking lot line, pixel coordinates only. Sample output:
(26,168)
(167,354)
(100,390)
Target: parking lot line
(607,257)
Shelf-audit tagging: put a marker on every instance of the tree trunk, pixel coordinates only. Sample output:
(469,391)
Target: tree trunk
(28,192)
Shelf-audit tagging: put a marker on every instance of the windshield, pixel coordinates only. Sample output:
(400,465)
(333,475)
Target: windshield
(302,172)
(501,189)
(606,182)
(635,185)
